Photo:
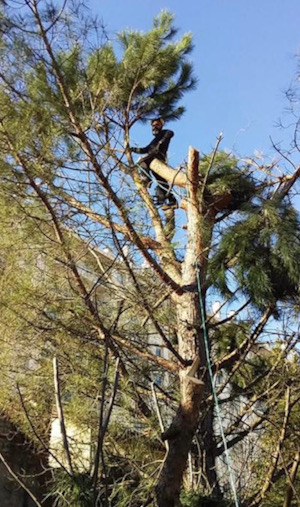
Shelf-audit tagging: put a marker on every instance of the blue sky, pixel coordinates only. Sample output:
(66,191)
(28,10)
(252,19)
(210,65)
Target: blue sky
(244,59)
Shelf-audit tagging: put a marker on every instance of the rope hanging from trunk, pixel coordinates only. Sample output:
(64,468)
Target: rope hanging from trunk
(215,396)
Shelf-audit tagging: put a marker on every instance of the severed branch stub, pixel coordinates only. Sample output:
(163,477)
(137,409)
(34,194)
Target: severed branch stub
(168,173)
(192,372)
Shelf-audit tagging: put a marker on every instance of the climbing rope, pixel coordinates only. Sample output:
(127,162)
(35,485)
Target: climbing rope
(215,396)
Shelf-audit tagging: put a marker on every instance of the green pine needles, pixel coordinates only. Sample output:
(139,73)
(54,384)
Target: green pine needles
(261,250)
(149,77)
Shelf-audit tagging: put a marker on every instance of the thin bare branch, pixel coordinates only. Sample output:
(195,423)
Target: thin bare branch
(45,447)
(246,345)
(290,490)
(270,474)
(158,412)
(19,481)
(60,414)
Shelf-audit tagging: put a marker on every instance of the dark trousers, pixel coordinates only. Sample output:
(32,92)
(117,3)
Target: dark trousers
(163,186)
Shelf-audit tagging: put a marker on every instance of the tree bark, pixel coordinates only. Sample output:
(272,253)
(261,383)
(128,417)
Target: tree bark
(208,453)
(173,176)
(184,425)
(190,347)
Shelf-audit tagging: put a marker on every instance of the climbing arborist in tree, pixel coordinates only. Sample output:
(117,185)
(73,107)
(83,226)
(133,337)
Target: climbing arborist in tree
(157,149)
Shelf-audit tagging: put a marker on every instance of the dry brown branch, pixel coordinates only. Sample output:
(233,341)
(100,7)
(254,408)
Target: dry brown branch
(157,304)
(288,183)
(281,357)
(103,424)
(211,162)
(39,438)
(143,354)
(147,242)
(248,406)
(145,303)
(241,435)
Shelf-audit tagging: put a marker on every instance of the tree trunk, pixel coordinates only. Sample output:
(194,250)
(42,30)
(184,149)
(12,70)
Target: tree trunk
(184,425)
(180,436)
(190,341)
(208,456)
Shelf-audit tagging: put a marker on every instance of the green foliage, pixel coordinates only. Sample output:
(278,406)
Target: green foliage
(228,336)
(276,496)
(194,499)
(75,490)
(42,315)
(223,174)
(151,76)
(262,250)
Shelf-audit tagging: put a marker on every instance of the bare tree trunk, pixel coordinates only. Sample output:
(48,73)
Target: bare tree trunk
(190,347)
(184,425)
(180,438)
(208,454)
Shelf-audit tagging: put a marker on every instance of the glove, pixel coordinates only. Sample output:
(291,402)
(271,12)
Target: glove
(135,150)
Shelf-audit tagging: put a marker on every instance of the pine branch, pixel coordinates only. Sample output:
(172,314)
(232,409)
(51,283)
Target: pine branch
(293,340)
(241,435)
(103,423)
(246,410)
(147,356)
(102,331)
(146,305)
(211,162)
(272,469)
(161,300)
(45,447)
(159,414)
(86,146)
(231,358)
(147,241)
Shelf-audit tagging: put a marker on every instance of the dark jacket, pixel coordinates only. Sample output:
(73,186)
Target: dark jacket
(159,145)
